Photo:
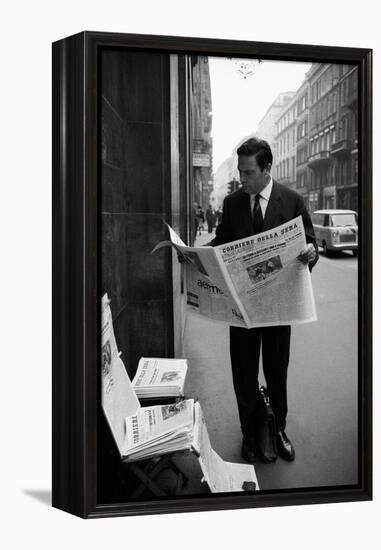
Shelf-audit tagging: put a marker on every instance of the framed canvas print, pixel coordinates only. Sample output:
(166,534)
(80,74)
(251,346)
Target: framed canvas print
(211,274)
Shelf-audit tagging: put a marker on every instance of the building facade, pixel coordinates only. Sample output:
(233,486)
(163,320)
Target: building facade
(323,80)
(284,147)
(333,136)
(313,134)
(224,173)
(345,150)
(316,138)
(201,130)
(227,172)
(267,126)
(302,100)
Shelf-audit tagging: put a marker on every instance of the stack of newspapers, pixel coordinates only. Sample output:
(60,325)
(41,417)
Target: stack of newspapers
(160,378)
(153,431)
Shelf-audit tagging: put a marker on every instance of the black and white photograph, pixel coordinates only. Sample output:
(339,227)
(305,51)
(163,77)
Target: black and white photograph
(223,149)
(223,203)
(189,229)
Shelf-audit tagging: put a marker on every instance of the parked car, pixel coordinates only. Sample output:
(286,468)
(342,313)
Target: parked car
(336,230)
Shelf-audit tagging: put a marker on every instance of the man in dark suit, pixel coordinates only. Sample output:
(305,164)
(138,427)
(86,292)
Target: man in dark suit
(259,205)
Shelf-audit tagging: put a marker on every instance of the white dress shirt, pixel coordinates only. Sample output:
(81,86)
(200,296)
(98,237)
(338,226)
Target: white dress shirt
(264,197)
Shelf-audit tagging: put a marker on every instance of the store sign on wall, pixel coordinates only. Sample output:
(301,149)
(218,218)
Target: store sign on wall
(201,159)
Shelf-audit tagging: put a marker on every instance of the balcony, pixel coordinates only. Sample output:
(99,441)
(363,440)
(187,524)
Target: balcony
(319,159)
(342,147)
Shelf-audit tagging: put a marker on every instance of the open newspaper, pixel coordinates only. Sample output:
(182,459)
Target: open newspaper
(145,432)
(251,282)
(157,377)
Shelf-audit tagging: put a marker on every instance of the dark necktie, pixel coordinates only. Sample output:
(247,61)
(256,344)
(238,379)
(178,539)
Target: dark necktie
(257,215)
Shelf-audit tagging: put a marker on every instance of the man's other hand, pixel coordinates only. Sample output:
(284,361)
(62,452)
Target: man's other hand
(308,254)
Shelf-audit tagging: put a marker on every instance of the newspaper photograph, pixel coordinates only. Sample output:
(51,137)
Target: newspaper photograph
(255,281)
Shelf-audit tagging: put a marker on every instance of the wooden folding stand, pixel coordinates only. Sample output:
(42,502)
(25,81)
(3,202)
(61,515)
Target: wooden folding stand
(118,402)
(147,470)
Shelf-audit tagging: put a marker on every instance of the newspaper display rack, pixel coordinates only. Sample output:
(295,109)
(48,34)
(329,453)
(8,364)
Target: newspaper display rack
(147,438)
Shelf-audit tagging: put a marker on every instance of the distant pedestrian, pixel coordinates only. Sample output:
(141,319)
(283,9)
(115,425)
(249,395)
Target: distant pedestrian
(210,219)
(195,220)
(200,218)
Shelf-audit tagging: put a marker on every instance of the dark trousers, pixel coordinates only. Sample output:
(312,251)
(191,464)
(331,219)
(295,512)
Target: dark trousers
(245,346)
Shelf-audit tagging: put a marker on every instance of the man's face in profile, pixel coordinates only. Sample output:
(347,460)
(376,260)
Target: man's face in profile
(252,178)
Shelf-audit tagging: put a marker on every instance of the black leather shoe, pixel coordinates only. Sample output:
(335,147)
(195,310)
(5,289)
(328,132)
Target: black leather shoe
(248,450)
(285,447)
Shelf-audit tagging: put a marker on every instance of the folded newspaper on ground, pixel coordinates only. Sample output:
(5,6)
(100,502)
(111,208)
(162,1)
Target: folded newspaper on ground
(146,432)
(222,476)
(157,377)
(251,282)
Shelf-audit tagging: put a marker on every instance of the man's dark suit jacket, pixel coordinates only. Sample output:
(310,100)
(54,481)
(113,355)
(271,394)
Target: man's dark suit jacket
(284,205)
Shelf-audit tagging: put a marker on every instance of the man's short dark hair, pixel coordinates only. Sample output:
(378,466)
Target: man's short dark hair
(258,147)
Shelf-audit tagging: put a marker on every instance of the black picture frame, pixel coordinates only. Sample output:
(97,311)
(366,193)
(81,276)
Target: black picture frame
(76,292)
